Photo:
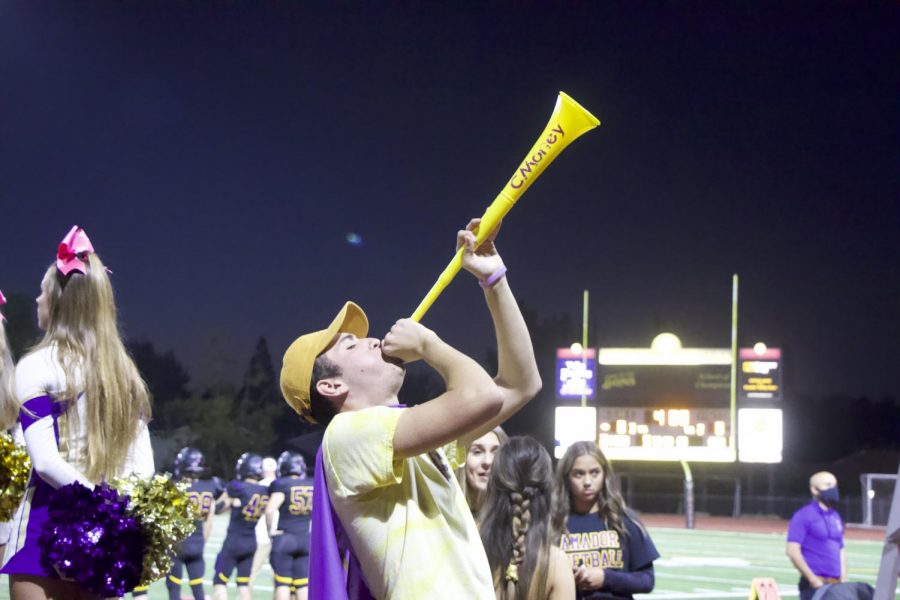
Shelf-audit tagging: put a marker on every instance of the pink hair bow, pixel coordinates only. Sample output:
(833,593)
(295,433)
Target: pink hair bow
(2,302)
(73,251)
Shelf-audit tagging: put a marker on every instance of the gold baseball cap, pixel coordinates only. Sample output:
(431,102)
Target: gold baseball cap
(297,368)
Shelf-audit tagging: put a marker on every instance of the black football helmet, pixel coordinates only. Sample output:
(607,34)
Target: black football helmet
(189,462)
(291,463)
(248,466)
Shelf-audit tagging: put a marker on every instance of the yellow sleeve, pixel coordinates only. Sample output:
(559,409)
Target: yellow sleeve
(358,450)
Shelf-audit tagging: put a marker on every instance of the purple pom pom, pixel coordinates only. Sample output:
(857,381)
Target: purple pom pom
(88,538)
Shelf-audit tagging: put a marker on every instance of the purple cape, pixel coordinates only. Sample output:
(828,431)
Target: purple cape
(334,570)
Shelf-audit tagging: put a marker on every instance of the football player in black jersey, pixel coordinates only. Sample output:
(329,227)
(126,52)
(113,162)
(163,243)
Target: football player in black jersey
(190,467)
(247,500)
(288,519)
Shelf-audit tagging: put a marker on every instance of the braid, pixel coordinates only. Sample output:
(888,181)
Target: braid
(514,520)
(521,520)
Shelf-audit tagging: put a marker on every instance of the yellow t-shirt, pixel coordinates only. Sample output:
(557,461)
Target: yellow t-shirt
(408,522)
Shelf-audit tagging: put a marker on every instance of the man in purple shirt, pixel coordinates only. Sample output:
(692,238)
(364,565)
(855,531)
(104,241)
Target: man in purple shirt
(815,541)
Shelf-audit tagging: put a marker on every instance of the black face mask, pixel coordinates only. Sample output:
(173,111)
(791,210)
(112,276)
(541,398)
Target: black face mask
(830,496)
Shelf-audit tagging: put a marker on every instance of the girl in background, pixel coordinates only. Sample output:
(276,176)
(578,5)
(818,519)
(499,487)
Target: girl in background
(474,474)
(515,526)
(609,549)
(83,407)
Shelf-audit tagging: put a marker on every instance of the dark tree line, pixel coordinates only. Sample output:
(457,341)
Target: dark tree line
(225,419)
(222,419)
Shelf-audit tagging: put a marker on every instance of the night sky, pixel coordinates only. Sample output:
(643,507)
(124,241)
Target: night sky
(219,154)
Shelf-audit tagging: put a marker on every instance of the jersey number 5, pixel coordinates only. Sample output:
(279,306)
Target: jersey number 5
(301,500)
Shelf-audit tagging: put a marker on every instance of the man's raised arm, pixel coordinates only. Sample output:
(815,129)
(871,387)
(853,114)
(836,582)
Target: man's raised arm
(474,403)
(517,372)
(471,398)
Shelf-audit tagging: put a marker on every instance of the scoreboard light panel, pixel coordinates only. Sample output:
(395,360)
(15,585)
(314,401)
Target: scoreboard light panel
(665,434)
(760,435)
(574,424)
(667,406)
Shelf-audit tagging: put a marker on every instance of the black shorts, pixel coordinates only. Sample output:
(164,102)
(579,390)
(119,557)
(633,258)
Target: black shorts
(290,559)
(191,557)
(236,552)
(191,550)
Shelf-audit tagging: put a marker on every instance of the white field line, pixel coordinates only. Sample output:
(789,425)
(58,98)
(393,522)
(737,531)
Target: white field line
(861,574)
(744,550)
(681,534)
(710,595)
(691,540)
(702,578)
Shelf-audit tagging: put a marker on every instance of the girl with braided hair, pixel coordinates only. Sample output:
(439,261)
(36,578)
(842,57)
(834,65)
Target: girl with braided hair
(515,526)
(609,549)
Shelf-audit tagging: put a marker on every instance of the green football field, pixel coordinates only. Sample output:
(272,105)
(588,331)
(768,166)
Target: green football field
(694,564)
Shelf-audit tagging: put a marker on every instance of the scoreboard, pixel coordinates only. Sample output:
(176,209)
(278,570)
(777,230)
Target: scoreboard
(672,403)
(665,406)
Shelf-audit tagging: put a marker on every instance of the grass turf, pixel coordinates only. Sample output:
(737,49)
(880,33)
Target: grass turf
(694,564)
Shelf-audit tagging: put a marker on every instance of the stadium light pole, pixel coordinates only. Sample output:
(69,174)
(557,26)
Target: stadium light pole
(736,506)
(584,341)
(734,351)
(688,495)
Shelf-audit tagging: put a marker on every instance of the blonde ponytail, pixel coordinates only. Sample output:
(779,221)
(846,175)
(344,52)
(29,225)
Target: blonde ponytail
(84,331)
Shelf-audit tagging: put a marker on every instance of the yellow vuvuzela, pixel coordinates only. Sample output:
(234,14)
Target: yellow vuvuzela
(568,121)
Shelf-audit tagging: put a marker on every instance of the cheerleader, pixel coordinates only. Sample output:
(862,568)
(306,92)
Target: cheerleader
(83,407)
(288,516)
(9,409)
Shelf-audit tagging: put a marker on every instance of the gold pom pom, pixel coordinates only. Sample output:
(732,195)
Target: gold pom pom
(166,515)
(512,573)
(15,468)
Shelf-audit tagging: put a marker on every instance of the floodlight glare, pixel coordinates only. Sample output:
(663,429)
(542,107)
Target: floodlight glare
(666,343)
